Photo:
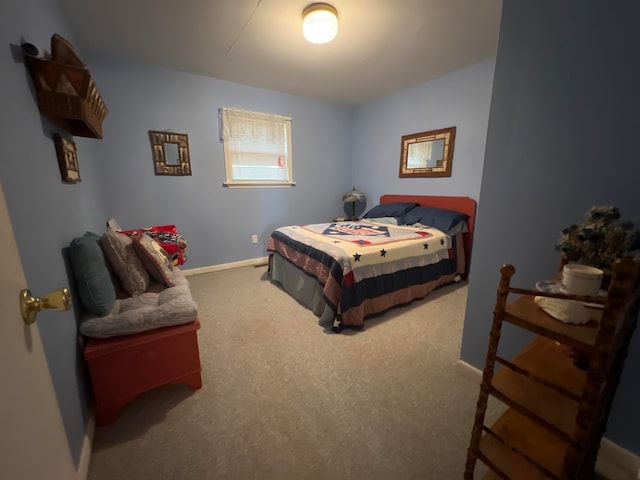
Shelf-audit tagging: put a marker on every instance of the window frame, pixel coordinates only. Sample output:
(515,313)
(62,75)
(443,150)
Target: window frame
(229,151)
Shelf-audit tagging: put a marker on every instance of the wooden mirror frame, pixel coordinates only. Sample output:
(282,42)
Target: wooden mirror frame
(160,164)
(442,167)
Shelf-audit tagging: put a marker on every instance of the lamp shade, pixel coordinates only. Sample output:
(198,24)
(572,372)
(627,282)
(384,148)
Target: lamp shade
(319,23)
(354,203)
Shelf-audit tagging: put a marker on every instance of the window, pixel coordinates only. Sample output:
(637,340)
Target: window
(257,148)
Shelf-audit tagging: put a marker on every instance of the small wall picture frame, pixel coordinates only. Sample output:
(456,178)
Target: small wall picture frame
(170,153)
(67,154)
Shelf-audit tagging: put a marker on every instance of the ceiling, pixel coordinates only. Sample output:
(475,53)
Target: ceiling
(382,46)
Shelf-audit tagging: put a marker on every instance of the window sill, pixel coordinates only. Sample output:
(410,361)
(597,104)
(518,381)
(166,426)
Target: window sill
(258,184)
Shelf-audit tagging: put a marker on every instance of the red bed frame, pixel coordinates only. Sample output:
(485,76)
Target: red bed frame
(459,204)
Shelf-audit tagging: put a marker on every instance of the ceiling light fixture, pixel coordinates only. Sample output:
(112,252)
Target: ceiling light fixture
(319,23)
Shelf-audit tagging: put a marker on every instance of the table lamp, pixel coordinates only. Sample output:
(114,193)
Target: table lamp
(354,203)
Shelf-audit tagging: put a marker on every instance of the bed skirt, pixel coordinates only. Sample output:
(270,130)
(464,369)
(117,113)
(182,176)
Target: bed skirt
(301,286)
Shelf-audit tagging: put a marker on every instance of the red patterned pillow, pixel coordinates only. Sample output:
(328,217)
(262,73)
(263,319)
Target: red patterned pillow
(157,263)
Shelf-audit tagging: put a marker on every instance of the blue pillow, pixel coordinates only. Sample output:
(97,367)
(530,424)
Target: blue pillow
(394,209)
(440,218)
(95,289)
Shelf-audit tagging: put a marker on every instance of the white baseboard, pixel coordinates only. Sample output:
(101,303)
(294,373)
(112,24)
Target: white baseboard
(469,371)
(613,460)
(87,445)
(226,266)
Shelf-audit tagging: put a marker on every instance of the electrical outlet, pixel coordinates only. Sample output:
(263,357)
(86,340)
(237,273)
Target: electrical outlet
(254,238)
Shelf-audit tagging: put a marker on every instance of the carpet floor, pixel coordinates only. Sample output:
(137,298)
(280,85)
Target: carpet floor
(283,398)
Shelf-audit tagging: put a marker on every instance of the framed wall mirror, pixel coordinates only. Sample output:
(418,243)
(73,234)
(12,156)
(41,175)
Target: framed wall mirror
(170,153)
(427,154)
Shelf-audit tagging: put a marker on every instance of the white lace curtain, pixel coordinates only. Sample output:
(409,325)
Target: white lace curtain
(238,125)
(257,147)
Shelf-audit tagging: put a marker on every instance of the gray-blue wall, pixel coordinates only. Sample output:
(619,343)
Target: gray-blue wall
(460,99)
(562,136)
(45,213)
(217,222)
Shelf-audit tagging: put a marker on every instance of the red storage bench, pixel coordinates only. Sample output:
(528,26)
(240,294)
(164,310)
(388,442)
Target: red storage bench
(141,332)
(122,367)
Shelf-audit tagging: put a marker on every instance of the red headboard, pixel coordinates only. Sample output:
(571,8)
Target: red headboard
(459,204)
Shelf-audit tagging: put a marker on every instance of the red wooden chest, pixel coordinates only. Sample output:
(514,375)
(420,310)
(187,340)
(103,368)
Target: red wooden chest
(123,367)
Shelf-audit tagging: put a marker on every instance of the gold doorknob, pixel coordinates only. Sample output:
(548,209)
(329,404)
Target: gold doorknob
(58,300)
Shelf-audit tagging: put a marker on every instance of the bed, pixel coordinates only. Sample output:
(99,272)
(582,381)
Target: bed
(348,271)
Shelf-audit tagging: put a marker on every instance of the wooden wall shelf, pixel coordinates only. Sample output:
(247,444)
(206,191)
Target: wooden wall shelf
(67,94)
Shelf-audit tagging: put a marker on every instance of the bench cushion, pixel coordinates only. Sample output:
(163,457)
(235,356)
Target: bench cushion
(159,306)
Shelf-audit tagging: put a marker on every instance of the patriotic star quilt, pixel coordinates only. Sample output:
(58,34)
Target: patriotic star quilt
(366,267)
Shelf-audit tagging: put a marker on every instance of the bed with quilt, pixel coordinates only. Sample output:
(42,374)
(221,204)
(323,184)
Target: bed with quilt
(403,248)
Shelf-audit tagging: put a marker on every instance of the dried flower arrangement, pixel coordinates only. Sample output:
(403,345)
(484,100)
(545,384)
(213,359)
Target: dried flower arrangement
(600,240)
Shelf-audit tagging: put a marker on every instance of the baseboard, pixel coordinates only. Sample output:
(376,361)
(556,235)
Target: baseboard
(87,445)
(469,371)
(612,458)
(256,262)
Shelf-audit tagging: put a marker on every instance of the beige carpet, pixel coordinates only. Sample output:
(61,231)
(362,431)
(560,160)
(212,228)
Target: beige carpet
(284,399)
